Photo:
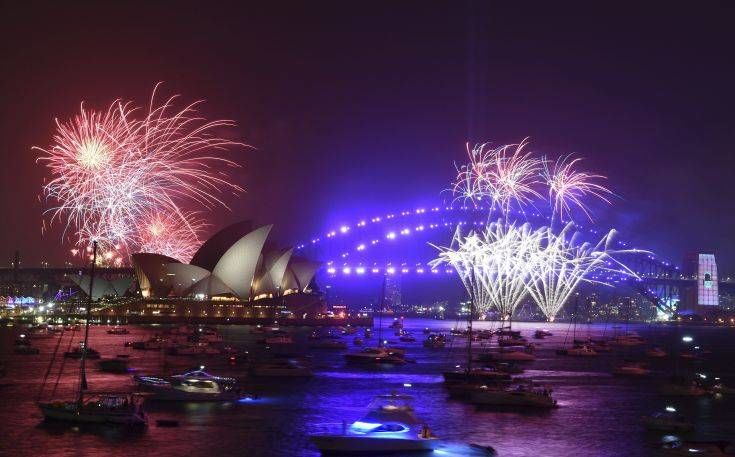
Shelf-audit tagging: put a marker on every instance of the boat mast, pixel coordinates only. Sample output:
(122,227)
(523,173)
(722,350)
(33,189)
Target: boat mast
(83,362)
(469,337)
(380,312)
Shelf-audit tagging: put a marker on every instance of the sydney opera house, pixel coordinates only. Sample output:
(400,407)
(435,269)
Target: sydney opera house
(236,274)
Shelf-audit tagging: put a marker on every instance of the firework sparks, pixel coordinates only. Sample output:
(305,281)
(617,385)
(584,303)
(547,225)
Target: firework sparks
(111,170)
(163,233)
(561,264)
(569,186)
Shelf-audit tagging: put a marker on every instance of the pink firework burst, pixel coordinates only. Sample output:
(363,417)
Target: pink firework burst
(570,187)
(163,233)
(111,169)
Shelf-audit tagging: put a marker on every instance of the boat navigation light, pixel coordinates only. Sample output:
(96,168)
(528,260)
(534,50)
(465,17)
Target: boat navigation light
(687,339)
(201,367)
(407,384)
(671,409)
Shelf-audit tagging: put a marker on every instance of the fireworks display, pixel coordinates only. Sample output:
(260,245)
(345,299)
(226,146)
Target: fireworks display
(510,176)
(503,263)
(114,173)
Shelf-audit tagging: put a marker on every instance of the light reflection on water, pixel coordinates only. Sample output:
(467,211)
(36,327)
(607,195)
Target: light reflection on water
(598,414)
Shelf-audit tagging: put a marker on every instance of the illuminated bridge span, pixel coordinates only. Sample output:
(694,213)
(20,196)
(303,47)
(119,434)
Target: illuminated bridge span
(399,244)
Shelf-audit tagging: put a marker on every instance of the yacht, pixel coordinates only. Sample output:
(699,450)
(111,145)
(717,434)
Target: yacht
(23,346)
(77,353)
(197,385)
(389,427)
(117,330)
(200,348)
(118,364)
(435,341)
(667,421)
(579,351)
(525,394)
(475,375)
(101,408)
(153,344)
(377,355)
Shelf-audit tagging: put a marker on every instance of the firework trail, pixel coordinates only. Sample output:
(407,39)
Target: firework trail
(163,233)
(568,186)
(112,169)
(561,263)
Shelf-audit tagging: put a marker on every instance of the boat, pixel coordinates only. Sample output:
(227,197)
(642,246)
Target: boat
(396,323)
(680,387)
(118,364)
(476,375)
(377,355)
(71,327)
(358,341)
(79,352)
(580,351)
(512,341)
(23,346)
(388,427)
(541,334)
(633,369)
(656,353)
(283,368)
(87,407)
(673,445)
(117,330)
(407,338)
(153,344)
(200,348)
(99,408)
(196,385)
(524,394)
(667,421)
(435,341)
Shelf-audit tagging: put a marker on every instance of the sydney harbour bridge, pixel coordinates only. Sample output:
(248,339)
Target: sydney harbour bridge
(401,244)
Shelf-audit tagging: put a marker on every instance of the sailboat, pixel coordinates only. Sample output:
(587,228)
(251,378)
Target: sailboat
(89,407)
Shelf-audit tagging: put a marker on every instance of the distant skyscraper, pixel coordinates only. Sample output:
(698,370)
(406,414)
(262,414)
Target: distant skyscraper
(393,292)
(702,268)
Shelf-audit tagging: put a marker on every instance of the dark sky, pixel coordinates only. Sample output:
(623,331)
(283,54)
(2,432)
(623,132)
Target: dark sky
(361,107)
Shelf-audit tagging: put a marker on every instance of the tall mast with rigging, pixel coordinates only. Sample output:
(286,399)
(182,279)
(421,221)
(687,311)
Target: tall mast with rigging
(83,362)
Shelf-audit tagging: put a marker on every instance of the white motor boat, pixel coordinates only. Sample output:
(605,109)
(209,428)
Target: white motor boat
(283,368)
(197,385)
(389,427)
(525,394)
(102,408)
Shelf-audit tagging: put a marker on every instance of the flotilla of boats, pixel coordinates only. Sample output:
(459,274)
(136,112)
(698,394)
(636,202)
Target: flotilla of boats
(490,378)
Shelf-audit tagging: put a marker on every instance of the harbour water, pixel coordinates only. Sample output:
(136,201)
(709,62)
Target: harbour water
(598,414)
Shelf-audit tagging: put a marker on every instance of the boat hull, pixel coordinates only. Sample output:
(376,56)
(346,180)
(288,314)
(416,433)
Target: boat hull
(60,413)
(347,444)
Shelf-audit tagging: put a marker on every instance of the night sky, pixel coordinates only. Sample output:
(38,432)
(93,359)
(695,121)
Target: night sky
(360,108)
